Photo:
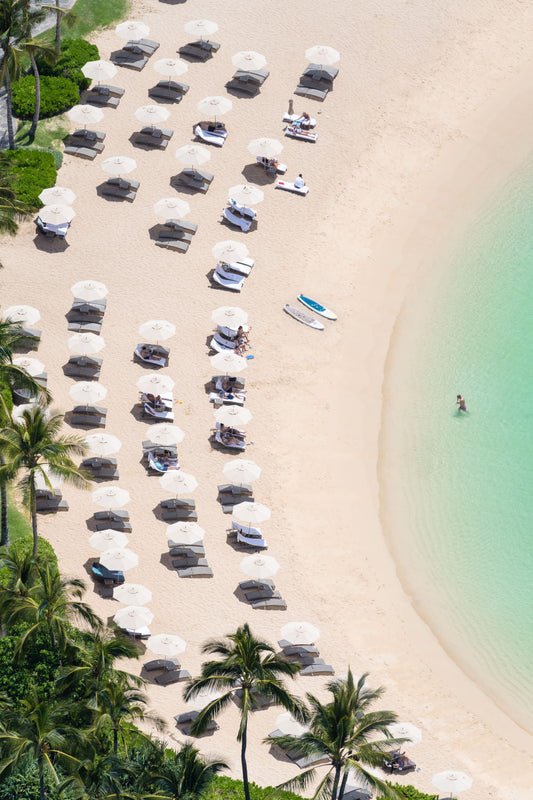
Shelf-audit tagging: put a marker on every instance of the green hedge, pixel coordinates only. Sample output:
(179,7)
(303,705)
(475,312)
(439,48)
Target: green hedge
(57,95)
(410,793)
(224,788)
(35,170)
(74,54)
(24,544)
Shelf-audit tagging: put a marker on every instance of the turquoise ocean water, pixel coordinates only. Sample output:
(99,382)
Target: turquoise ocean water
(461,485)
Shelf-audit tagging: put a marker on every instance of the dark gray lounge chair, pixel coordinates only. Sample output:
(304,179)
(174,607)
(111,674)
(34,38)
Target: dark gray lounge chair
(157,133)
(202,49)
(243,85)
(184,721)
(96,307)
(195,179)
(235,489)
(151,140)
(167,664)
(116,525)
(267,583)
(179,514)
(266,594)
(102,99)
(89,136)
(81,152)
(50,501)
(257,76)
(31,339)
(189,561)
(196,572)
(83,367)
(181,225)
(321,72)
(298,650)
(275,603)
(180,503)
(317,669)
(173,244)
(145,46)
(187,551)
(120,188)
(172,676)
(101,467)
(85,326)
(308,91)
(123,58)
(91,416)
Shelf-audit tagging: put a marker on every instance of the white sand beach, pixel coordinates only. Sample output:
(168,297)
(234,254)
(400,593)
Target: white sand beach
(428,117)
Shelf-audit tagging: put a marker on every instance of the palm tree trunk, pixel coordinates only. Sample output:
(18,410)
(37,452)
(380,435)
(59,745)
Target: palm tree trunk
(58,28)
(244,766)
(10,132)
(33,512)
(336,783)
(4,530)
(42,793)
(343,784)
(37,110)
(115,742)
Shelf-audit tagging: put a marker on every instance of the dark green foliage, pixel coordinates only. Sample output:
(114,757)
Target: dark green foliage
(57,155)
(35,170)
(37,666)
(45,554)
(224,788)
(410,793)
(25,786)
(74,54)
(57,95)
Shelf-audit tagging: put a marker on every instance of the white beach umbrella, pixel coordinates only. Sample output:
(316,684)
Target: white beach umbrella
(99,70)
(23,314)
(451,781)
(300,633)
(233,415)
(52,481)
(229,362)
(86,344)
(158,329)
(251,512)
(193,154)
(288,725)
(239,470)
(244,194)
(132,30)
(89,290)
(171,67)
(165,434)
(151,114)
(322,54)
(57,215)
(265,147)
(87,392)
(133,617)
(171,208)
(229,317)
(203,698)
(119,165)
(108,539)
(85,114)
(133,594)
(166,644)
(185,532)
(102,444)
(110,497)
(214,106)
(201,27)
(259,566)
(32,365)
(155,384)
(57,194)
(248,60)
(177,482)
(118,558)
(405,730)
(229,250)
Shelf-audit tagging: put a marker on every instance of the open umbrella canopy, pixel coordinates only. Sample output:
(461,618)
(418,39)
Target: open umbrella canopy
(177,482)
(99,70)
(57,214)
(214,106)
(229,250)
(166,644)
(203,698)
(108,539)
(102,444)
(133,594)
(407,731)
(165,434)
(89,290)
(110,497)
(120,559)
(171,67)
(85,114)
(229,362)
(193,154)
(451,781)
(185,532)
(52,481)
(57,195)
(24,314)
(86,344)
(322,54)
(251,512)
(248,60)
(158,329)
(259,566)
(229,317)
(287,724)
(233,415)
(265,147)
(131,29)
(155,384)
(133,617)
(171,208)
(151,114)
(87,392)
(32,365)
(119,165)
(245,194)
(201,27)
(239,470)
(300,633)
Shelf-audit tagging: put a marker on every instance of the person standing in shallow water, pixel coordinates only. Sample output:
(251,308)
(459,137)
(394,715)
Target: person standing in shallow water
(461,402)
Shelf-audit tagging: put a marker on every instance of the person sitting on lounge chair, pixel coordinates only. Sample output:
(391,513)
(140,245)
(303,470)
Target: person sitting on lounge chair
(226,388)
(155,401)
(299,182)
(304,121)
(241,342)
(231,436)
(146,351)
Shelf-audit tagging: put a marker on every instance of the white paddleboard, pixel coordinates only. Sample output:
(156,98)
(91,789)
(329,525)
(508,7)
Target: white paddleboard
(301,316)
(318,308)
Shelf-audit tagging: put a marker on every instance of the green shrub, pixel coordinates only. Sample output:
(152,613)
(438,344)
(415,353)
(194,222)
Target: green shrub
(35,170)
(24,544)
(57,95)
(23,784)
(409,792)
(224,788)
(74,54)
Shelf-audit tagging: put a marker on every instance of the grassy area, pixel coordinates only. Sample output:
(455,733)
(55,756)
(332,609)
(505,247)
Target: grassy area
(50,132)
(89,15)
(19,525)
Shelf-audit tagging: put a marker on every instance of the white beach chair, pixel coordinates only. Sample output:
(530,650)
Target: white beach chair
(264,162)
(219,347)
(158,361)
(227,284)
(244,266)
(290,187)
(234,219)
(244,211)
(211,137)
(245,529)
(233,446)
(252,541)
(229,276)
(155,464)
(219,398)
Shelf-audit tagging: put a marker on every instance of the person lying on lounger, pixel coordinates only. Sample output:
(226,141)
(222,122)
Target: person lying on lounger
(227,387)
(146,351)
(155,401)
(241,341)
(231,435)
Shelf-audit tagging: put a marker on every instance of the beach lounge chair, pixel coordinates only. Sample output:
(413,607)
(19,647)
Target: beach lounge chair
(81,152)
(122,188)
(89,416)
(51,230)
(163,91)
(112,515)
(83,367)
(180,245)
(311,92)
(165,411)
(258,76)
(279,168)
(398,762)
(189,561)
(243,267)
(298,118)
(162,663)
(317,669)
(234,286)
(104,575)
(149,446)
(196,572)
(290,187)
(31,339)
(145,46)
(296,132)
(179,515)
(106,90)
(50,501)
(244,211)
(96,307)
(235,490)
(102,98)
(210,134)
(181,226)
(252,541)
(254,597)
(219,398)
(100,467)
(187,550)
(235,219)
(123,58)
(201,50)
(119,525)
(85,326)
(321,72)
(157,133)
(155,463)
(236,445)
(154,354)
(88,136)
(236,380)
(172,676)
(184,722)
(195,179)
(244,85)
(179,503)
(151,139)
(257,584)
(276,604)
(298,650)
(245,529)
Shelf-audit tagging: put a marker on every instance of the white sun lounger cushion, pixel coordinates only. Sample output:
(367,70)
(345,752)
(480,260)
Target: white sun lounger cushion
(290,187)
(208,136)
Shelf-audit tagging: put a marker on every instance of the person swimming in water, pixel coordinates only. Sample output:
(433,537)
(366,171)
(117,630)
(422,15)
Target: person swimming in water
(461,402)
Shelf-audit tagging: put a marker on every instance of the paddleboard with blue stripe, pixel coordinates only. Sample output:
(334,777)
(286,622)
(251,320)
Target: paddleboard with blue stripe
(318,308)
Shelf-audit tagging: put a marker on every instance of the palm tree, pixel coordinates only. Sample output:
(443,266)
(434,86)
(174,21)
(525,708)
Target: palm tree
(12,15)
(38,734)
(98,778)
(249,668)
(345,731)
(10,206)
(32,443)
(21,570)
(33,46)
(184,774)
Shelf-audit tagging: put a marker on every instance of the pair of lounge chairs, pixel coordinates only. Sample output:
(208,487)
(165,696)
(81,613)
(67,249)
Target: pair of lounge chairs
(185,721)
(247,536)
(316,81)
(164,410)
(178,509)
(135,54)
(106,576)
(154,137)
(31,338)
(228,279)
(154,354)
(298,651)
(86,316)
(176,234)
(51,230)
(48,500)
(288,186)
(89,416)
(116,519)
(191,565)
(104,95)
(263,595)
(211,132)
(85,143)
(103,468)
(83,367)
(196,179)
(172,676)
(200,50)
(227,390)
(231,494)
(248,81)
(121,188)
(172,91)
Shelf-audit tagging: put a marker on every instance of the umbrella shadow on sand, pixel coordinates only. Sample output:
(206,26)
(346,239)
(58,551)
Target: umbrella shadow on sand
(166,561)
(46,244)
(255,173)
(182,188)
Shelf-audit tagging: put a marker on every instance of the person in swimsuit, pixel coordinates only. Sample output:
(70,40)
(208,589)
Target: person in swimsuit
(461,402)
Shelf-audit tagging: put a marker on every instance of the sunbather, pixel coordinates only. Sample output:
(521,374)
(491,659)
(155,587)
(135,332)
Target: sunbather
(231,436)
(299,182)
(146,351)
(155,401)
(304,121)
(226,388)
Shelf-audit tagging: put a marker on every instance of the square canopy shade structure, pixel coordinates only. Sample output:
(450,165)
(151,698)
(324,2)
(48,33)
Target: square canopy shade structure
(99,70)
(229,362)
(27,315)
(177,482)
(89,290)
(171,67)
(158,329)
(265,147)
(201,27)
(57,195)
(165,434)
(119,559)
(248,60)
(322,54)
(171,208)
(300,633)
(229,250)
(85,115)
(152,115)
(193,155)
(133,617)
(108,539)
(244,194)
(259,566)
(110,497)
(166,644)
(31,365)
(119,165)
(407,731)
(132,594)
(239,470)
(87,392)
(185,532)
(214,106)
(233,415)
(155,384)
(86,344)
(131,29)
(102,444)
(229,317)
